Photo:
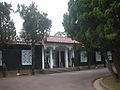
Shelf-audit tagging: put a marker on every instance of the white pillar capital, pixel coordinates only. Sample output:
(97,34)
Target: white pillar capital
(54,47)
(70,48)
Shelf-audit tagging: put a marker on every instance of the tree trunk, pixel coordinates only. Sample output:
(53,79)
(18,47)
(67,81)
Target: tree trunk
(4,68)
(89,59)
(33,58)
(116,60)
(109,66)
(103,59)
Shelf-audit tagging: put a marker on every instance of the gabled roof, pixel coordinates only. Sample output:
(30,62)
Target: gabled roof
(50,39)
(60,39)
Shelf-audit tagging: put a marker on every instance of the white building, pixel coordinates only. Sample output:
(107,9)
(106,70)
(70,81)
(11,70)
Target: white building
(57,52)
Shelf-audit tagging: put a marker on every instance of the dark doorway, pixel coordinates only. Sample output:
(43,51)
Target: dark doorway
(62,62)
(63,58)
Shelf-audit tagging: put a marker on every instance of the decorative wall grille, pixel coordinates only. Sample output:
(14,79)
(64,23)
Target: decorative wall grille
(83,56)
(109,53)
(26,57)
(98,56)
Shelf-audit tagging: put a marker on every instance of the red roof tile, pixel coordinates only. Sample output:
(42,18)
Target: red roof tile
(51,39)
(60,39)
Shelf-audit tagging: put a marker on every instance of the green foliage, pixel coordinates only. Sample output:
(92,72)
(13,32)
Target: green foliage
(110,82)
(7,29)
(60,33)
(36,25)
(95,23)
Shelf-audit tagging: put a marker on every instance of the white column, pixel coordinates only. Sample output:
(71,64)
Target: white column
(71,58)
(51,59)
(43,62)
(59,58)
(54,62)
(73,55)
(66,58)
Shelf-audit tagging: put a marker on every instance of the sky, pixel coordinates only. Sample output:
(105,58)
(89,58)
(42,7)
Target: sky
(54,8)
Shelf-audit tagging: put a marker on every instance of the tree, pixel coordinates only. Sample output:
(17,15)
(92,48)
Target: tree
(60,33)
(7,30)
(96,24)
(36,27)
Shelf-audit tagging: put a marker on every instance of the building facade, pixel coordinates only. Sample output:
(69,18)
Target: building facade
(56,52)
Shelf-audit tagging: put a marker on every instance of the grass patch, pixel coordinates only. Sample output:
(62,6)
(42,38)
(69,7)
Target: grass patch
(109,81)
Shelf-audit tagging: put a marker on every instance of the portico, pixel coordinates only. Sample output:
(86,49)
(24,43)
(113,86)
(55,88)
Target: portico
(57,54)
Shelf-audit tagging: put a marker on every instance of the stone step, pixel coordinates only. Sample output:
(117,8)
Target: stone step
(59,70)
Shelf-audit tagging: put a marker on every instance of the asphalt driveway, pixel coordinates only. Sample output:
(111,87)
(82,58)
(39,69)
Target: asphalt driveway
(81,80)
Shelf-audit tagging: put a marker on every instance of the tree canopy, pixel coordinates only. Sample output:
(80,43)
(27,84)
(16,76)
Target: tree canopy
(7,29)
(60,34)
(36,25)
(95,23)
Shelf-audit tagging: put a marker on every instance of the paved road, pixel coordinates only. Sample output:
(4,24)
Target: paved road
(81,80)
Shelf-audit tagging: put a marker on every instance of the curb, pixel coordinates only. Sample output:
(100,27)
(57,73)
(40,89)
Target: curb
(96,84)
(99,85)
(103,85)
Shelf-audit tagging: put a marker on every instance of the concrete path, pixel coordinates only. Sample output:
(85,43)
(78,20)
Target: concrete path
(81,80)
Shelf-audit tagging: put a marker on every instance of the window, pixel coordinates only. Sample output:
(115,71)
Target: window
(0,58)
(26,57)
(83,56)
(98,56)
(109,54)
